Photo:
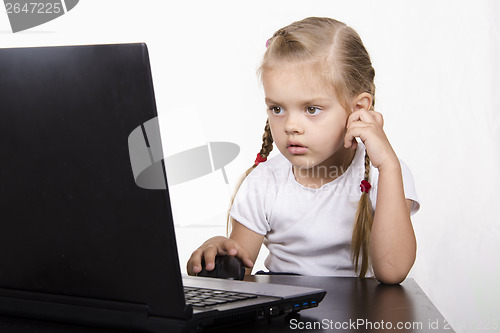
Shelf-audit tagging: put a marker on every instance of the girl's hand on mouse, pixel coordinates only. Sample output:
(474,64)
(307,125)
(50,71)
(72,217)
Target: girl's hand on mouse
(216,246)
(368,126)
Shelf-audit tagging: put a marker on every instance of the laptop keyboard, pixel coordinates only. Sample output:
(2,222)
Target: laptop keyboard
(200,297)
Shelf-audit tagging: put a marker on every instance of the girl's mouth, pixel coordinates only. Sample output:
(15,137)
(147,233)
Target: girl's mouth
(296,149)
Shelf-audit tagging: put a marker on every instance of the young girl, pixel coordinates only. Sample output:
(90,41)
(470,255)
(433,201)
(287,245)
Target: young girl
(327,205)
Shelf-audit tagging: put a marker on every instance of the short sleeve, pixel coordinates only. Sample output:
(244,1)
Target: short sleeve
(409,188)
(252,203)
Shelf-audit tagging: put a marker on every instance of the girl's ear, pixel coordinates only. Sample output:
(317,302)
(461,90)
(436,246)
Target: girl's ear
(362,101)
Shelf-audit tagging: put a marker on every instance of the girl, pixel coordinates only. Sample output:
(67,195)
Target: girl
(327,205)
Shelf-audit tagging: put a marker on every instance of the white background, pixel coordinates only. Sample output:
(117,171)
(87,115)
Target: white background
(438,86)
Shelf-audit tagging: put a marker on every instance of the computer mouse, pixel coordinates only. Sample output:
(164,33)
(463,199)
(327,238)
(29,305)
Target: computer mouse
(226,267)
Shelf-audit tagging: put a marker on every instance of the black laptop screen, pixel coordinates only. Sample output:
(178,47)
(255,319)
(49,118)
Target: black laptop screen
(73,221)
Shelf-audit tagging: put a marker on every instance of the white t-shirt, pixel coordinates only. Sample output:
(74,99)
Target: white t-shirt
(307,231)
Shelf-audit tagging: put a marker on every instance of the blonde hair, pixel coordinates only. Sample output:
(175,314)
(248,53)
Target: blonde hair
(335,51)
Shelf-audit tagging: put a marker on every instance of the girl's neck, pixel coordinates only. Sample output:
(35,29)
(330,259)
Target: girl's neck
(326,171)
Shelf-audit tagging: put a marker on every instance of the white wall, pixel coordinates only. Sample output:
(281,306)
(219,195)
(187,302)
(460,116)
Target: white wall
(438,84)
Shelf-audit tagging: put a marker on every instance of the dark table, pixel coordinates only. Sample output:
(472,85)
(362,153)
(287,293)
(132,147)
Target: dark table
(350,305)
(357,305)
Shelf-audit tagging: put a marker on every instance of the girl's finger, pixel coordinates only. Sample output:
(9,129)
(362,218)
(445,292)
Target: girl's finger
(194,263)
(209,256)
(229,247)
(360,115)
(350,140)
(356,130)
(245,258)
(378,117)
(354,144)
(233,249)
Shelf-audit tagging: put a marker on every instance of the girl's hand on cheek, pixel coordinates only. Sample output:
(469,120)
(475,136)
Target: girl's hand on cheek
(368,126)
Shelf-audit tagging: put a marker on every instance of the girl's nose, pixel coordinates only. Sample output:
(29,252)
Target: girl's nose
(293,124)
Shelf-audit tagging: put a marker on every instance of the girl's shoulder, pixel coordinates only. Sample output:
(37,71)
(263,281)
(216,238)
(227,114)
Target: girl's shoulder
(276,164)
(274,168)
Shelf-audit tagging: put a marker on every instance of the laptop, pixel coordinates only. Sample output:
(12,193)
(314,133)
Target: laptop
(86,229)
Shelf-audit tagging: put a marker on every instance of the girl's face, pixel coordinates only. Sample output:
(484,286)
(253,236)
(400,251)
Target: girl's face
(307,122)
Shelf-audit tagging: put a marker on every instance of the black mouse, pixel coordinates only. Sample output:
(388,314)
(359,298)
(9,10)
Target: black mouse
(226,267)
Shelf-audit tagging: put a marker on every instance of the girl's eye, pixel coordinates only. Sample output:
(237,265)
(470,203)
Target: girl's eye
(313,110)
(276,110)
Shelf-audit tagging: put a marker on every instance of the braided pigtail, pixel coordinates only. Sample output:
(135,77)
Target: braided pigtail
(267,146)
(265,150)
(362,226)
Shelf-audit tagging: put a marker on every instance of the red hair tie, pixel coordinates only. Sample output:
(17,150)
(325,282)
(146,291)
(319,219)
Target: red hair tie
(365,186)
(259,159)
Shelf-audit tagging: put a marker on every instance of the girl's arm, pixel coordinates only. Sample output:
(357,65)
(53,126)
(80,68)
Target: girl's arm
(392,246)
(247,239)
(392,242)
